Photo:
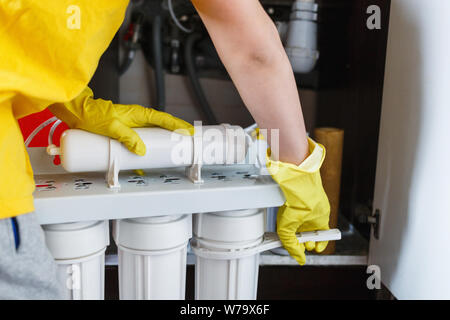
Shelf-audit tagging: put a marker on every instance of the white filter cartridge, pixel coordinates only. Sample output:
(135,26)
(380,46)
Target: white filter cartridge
(152,257)
(79,251)
(81,151)
(227,233)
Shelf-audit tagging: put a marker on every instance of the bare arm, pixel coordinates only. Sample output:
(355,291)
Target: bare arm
(251,50)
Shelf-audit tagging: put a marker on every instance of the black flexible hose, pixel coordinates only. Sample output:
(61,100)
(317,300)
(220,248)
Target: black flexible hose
(192,76)
(158,63)
(131,39)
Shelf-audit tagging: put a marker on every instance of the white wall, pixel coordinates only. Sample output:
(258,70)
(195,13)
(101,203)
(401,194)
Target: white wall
(413,171)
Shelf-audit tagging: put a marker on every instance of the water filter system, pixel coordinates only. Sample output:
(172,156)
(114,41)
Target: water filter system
(152,251)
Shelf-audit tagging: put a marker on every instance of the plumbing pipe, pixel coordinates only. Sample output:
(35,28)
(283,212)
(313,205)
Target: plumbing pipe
(301,36)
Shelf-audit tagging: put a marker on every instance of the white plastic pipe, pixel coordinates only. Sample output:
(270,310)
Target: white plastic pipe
(301,36)
(82,151)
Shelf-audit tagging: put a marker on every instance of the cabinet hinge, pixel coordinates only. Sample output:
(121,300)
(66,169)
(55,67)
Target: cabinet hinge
(365,215)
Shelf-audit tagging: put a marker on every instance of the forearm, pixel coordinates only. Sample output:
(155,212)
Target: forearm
(251,50)
(270,93)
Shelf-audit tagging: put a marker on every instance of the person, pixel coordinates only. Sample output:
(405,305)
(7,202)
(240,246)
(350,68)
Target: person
(49,52)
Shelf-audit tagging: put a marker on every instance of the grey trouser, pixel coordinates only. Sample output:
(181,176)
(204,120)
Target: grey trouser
(27,269)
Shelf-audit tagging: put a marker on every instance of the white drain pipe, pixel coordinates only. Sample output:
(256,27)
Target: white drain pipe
(300,36)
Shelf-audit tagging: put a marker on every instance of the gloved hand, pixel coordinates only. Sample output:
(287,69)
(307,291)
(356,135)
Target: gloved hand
(115,120)
(306,207)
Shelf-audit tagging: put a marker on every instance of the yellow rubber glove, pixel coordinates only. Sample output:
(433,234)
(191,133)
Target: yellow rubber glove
(306,207)
(115,120)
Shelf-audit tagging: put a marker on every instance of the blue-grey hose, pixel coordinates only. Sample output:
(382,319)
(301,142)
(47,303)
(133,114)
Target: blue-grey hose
(158,63)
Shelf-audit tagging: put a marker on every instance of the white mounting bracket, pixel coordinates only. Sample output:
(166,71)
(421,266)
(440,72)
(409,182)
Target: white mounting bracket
(112,175)
(261,158)
(194,172)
